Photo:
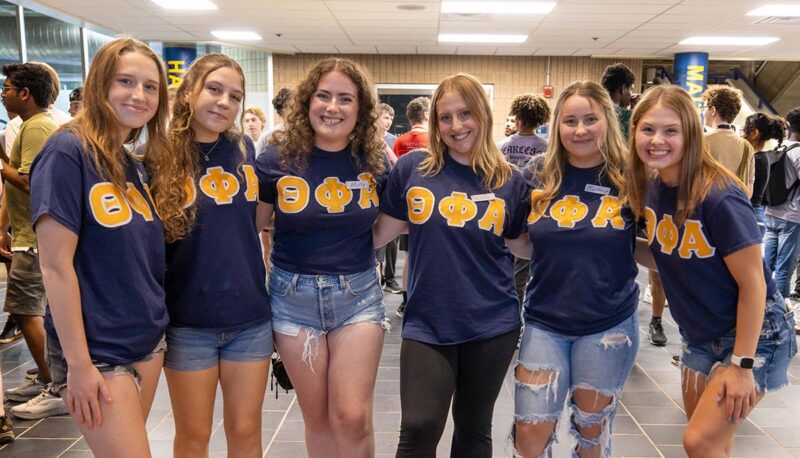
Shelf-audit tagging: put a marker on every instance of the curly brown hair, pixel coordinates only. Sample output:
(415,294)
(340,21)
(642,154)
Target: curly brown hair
(531,110)
(727,101)
(297,140)
(171,172)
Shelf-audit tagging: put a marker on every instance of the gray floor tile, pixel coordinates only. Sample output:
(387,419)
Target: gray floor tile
(40,448)
(54,428)
(282,449)
(657,415)
(665,434)
(634,445)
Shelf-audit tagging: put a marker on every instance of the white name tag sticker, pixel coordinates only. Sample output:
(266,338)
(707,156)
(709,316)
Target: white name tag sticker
(594,189)
(482,197)
(357,184)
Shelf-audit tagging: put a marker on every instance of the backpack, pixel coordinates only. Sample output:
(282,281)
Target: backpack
(778,190)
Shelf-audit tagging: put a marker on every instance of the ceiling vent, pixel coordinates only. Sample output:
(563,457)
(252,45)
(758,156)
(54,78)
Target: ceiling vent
(787,20)
(466,17)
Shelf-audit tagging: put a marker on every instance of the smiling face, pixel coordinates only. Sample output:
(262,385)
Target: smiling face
(216,103)
(457,124)
(659,142)
(333,111)
(582,131)
(252,126)
(133,94)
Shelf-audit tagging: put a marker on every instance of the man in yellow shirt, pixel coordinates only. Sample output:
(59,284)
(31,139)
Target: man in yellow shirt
(728,147)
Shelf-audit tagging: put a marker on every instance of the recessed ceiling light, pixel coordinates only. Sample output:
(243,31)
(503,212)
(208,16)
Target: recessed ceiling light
(776,10)
(185,4)
(480,38)
(498,7)
(729,41)
(236,35)
(411,7)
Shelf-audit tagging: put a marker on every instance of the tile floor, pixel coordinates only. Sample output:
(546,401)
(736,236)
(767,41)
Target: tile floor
(649,423)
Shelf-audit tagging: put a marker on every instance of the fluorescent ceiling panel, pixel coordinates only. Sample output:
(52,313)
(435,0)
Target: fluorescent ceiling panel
(236,35)
(480,38)
(498,7)
(729,41)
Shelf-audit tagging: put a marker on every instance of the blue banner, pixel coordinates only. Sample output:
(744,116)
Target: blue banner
(178,59)
(691,73)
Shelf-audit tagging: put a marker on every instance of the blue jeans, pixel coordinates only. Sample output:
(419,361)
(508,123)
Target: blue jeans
(600,362)
(781,250)
(759,211)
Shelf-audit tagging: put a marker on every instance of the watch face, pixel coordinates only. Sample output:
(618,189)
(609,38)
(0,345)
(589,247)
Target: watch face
(746,363)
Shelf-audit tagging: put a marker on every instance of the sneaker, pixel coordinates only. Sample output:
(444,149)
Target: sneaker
(29,390)
(676,361)
(11,332)
(32,373)
(46,404)
(6,430)
(795,295)
(647,296)
(400,310)
(656,332)
(392,287)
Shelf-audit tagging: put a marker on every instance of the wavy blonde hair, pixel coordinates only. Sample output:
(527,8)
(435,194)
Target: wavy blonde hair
(700,172)
(296,141)
(170,172)
(485,158)
(97,125)
(612,147)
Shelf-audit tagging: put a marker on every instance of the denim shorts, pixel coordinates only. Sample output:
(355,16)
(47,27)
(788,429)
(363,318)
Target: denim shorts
(57,364)
(192,349)
(324,303)
(777,345)
(599,362)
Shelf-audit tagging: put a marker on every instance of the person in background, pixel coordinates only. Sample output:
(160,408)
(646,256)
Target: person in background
(722,105)
(11,331)
(280,102)
(76,101)
(385,121)
(254,122)
(760,128)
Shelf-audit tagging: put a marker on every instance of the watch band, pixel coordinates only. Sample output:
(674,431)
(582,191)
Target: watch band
(745,362)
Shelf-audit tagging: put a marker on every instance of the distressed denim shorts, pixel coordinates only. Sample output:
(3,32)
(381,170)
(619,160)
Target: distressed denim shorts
(191,349)
(776,347)
(600,362)
(324,303)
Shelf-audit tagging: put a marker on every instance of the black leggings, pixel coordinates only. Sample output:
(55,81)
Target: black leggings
(471,374)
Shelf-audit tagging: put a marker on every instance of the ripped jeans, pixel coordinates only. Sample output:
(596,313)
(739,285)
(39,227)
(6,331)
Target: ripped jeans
(319,304)
(598,362)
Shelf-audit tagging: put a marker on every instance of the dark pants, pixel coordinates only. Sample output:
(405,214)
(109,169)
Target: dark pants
(522,273)
(390,260)
(471,374)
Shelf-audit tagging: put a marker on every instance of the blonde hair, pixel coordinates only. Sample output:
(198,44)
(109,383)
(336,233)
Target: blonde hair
(699,170)
(485,158)
(257,112)
(296,142)
(97,125)
(171,172)
(612,147)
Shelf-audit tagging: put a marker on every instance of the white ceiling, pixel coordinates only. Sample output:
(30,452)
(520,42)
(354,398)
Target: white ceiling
(621,28)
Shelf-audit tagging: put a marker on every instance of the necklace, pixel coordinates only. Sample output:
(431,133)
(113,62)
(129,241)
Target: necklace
(205,155)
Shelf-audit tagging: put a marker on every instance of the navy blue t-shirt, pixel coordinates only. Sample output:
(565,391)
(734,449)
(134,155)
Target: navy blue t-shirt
(215,275)
(323,213)
(461,277)
(583,274)
(119,259)
(701,291)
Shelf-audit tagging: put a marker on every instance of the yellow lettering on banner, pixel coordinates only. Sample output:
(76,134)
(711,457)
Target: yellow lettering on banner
(568,211)
(650,224)
(537,213)
(368,197)
(694,241)
(293,194)
(251,179)
(420,204)
(333,195)
(495,216)
(219,185)
(667,234)
(695,72)
(138,203)
(457,209)
(609,211)
(191,193)
(175,68)
(109,207)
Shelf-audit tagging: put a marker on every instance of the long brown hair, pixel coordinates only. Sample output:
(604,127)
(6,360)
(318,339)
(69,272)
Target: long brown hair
(612,148)
(485,158)
(97,125)
(171,172)
(699,170)
(296,141)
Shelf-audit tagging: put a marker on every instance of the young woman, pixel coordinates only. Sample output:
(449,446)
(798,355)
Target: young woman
(458,200)
(220,331)
(579,344)
(253,122)
(101,244)
(322,179)
(759,128)
(738,337)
